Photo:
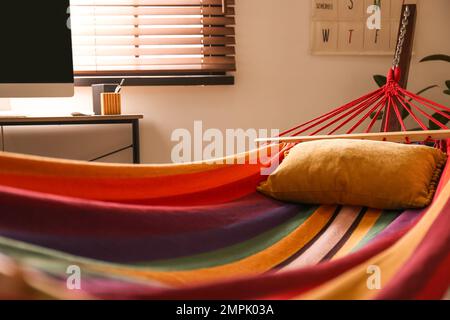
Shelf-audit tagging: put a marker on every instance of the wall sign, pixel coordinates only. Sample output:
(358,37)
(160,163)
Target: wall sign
(349,27)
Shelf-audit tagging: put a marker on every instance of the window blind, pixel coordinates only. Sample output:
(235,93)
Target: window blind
(148,37)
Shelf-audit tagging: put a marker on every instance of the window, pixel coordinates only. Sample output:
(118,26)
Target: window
(153,41)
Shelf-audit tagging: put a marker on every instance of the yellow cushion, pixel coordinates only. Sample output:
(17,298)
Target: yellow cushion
(375,174)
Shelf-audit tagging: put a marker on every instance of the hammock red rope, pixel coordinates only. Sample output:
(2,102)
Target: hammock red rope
(362,114)
(355,114)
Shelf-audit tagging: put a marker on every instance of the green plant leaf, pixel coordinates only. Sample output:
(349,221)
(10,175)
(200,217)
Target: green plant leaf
(405,112)
(426,89)
(380,80)
(436,57)
(380,115)
(440,118)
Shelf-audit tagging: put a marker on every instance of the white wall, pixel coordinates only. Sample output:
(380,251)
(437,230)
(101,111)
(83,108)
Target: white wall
(278,84)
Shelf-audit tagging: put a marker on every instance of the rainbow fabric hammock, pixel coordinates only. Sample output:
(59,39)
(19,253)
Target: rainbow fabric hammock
(198,231)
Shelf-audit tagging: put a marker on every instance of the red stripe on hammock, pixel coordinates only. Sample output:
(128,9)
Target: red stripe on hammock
(182,189)
(438,283)
(429,256)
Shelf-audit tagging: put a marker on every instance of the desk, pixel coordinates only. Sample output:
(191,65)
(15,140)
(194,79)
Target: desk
(70,120)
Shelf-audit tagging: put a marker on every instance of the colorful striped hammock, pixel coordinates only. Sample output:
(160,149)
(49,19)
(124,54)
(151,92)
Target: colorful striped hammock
(198,231)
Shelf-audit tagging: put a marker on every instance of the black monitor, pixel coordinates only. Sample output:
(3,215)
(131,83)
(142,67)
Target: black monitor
(36,49)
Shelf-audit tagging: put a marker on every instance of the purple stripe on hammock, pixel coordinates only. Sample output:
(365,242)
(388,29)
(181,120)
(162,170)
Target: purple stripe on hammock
(403,222)
(142,249)
(43,213)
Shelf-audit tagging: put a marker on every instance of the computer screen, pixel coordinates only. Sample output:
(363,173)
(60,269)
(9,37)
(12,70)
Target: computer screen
(36,48)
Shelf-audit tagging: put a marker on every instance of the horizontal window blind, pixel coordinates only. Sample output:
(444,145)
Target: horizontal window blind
(147,37)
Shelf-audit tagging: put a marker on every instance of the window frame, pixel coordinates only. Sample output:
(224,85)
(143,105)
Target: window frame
(155,80)
(158,78)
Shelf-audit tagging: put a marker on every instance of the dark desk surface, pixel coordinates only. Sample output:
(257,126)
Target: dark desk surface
(131,119)
(69,119)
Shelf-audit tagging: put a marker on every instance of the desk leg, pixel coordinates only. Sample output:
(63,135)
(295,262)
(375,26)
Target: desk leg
(136,142)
